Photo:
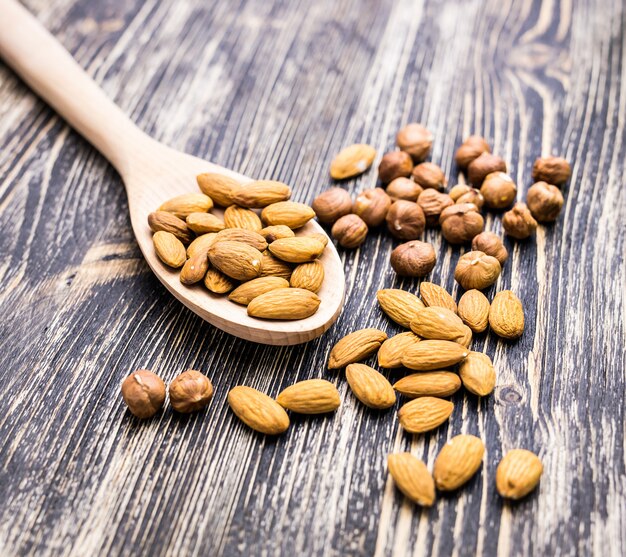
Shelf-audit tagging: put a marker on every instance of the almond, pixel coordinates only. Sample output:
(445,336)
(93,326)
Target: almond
(291,214)
(248,291)
(518,473)
(320,237)
(474,310)
(435,295)
(261,193)
(412,478)
(169,249)
(477,373)
(243,235)
(218,187)
(201,245)
(424,414)
(370,387)
(392,350)
(308,275)
(273,267)
(506,315)
(433,354)
(284,303)
(202,223)
(459,459)
(313,396)
(438,323)
(401,306)
(194,269)
(187,203)
(355,347)
(271,233)
(258,411)
(466,339)
(217,282)
(240,217)
(236,259)
(299,249)
(166,222)
(434,383)
(352,161)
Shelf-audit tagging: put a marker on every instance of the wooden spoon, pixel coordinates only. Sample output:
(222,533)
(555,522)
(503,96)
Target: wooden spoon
(152,173)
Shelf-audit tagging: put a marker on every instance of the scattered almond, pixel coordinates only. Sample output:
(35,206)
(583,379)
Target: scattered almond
(506,315)
(412,478)
(236,259)
(221,189)
(435,295)
(459,459)
(401,306)
(248,291)
(169,249)
(477,373)
(433,354)
(370,386)
(187,203)
(308,275)
(261,193)
(433,383)
(258,411)
(284,303)
(474,310)
(355,347)
(352,161)
(518,473)
(438,323)
(313,396)
(240,217)
(299,249)
(392,350)
(424,414)
(291,214)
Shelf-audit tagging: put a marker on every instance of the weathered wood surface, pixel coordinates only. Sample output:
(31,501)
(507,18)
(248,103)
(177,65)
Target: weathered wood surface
(275,89)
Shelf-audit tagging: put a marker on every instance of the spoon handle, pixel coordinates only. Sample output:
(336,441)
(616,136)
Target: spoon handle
(40,60)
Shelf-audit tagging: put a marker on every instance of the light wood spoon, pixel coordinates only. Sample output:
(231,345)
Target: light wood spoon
(152,173)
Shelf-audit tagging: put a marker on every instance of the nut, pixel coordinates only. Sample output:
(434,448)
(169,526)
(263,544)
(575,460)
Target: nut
(518,222)
(506,315)
(403,188)
(429,383)
(491,244)
(518,473)
(461,222)
(433,203)
(428,355)
(471,196)
(332,204)
(394,165)
(406,220)
(399,305)
(169,249)
(391,351)
(352,161)
(201,245)
(308,275)
(413,259)
(313,396)
(166,222)
(372,206)
(350,231)
(258,411)
(194,269)
(217,282)
(240,217)
(474,310)
(457,191)
(429,175)
(370,386)
(437,323)
(249,290)
(271,233)
(435,295)
(187,203)
(144,393)
(424,414)
(190,391)
(472,148)
(498,190)
(483,165)
(203,223)
(236,259)
(274,267)
(459,459)
(242,235)
(544,201)
(412,478)
(415,140)
(261,193)
(476,269)
(291,214)
(554,170)
(298,249)
(284,303)
(355,347)
(221,189)
(477,374)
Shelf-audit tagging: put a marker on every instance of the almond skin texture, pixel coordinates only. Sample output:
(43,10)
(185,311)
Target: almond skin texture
(391,351)
(291,214)
(473,309)
(477,374)
(332,204)
(428,355)
(274,267)
(190,391)
(194,269)
(144,393)
(258,411)
(272,233)
(412,478)
(217,282)
(352,161)
(243,235)
(284,303)
(248,291)
(221,189)
(432,383)
(370,387)
(202,223)
(166,222)
(261,193)
(355,347)
(477,270)
(240,217)
(313,396)
(201,245)
(506,315)
(401,306)
(518,473)
(169,249)
(298,249)
(236,259)
(183,205)
(434,295)
(459,459)
(308,275)
(438,323)
(424,414)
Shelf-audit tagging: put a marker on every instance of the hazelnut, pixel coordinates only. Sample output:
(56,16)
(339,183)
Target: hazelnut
(433,203)
(554,170)
(472,196)
(476,269)
(394,165)
(332,204)
(491,244)
(144,393)
(372,206)
(518,222)
(471,149)
(429,175)
(483,165)
(498,190)
(544,201)
(350,231)
(413,259)
(403,188)
(459,190)
(190,391)
(406,220)
(461,222)
(415,140)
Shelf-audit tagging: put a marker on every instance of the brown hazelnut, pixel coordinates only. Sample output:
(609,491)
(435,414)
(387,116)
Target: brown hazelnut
(415,140)
(554,170)
(476,269)
(433,203)
(350,231)
(518,222)
(429,175)
(461,222)
(472,148)
(413,259)
(394,164)
(406,220)
(190,391)
(491,244)
(483,165)
(403,188)
(372,206)
(544,201)
(472,196)
(144,393)
(498,190)
(459,190)
(332,204)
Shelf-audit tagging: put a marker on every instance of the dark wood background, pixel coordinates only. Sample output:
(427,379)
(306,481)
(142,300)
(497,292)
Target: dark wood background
(274,89)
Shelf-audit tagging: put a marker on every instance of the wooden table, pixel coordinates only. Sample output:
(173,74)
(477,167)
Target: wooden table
(274,89)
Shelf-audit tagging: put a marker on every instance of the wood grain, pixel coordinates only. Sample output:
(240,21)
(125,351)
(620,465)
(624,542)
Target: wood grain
(275,89)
